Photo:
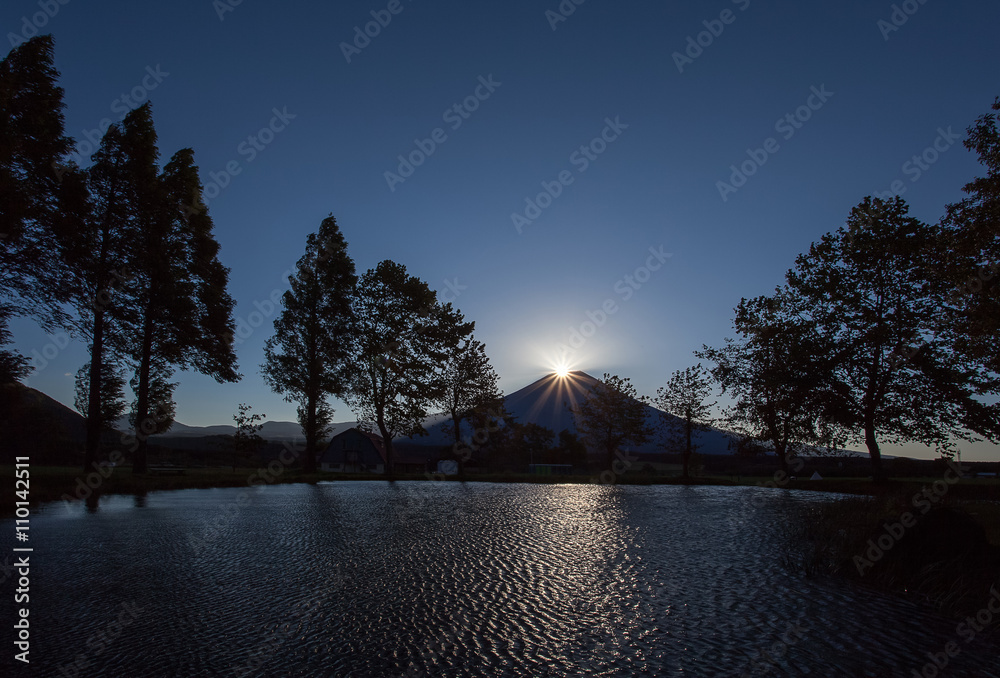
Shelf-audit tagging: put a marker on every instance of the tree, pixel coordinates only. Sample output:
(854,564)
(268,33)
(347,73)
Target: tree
(96,235)
(969,254)
(307,357)
(470,383)
(403,339)
(247,438)
(533,442)
(32,144)
(778,373)
(571,448)
(177,286)
(112,394)
(492,434)
(160,409)
(889,329)
(683,403)
(13,366)
(612,415)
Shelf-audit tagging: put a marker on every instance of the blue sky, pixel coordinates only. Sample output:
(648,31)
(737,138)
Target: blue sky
(220,73)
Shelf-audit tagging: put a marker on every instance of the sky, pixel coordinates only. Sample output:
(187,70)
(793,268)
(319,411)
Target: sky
(591,181)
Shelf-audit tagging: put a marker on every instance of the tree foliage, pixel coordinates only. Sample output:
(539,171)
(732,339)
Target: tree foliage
(684,404)
(403,339)
(469,384)
(307,358)
(112,396)
(32,144)
(887,326)
(177,287)
(777,371)
(246,439)
(613,415)
(96,235)
(968,257)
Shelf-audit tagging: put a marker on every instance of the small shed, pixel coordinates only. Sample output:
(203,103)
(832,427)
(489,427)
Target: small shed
(354,451)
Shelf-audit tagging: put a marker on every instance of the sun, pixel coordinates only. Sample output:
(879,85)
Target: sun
(562,370)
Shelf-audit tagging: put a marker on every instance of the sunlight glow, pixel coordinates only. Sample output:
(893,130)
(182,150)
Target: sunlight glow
(562,370)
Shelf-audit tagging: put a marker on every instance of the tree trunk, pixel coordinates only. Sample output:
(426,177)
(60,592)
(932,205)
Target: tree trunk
(389,466)
(309,462)
(878,473)
(94,393)
(781,449)
(460,451)
(387,441)
(142,418)
(687,448)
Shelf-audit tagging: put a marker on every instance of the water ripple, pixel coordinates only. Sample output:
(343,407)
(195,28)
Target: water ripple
(444,579)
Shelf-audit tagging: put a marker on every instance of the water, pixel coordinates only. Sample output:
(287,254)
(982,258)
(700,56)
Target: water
(444,579)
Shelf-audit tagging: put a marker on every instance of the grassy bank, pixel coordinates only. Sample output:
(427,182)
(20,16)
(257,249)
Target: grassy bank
(945,553)
(51,483)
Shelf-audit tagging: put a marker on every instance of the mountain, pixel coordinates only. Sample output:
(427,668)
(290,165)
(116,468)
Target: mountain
(547,403)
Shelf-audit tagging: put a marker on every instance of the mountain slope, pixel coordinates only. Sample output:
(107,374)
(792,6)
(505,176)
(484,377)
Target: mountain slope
(547,402)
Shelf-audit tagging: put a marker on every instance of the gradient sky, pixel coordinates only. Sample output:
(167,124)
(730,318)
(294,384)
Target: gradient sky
(217,73)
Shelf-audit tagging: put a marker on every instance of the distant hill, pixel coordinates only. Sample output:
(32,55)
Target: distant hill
(272,430)
(30,420)
(33,424)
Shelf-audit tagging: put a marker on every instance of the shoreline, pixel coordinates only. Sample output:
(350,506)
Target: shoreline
(53,483)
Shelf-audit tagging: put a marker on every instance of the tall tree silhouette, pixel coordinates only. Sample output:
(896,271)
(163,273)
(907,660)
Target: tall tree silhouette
(177,285)
(685,400)
(306,358)
(32,145)
(97,234)
(404,336)
(968,258)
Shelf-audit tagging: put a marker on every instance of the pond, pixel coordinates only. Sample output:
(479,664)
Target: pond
(450,579)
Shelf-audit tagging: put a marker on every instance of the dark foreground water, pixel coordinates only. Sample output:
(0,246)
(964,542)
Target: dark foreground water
(441,579)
